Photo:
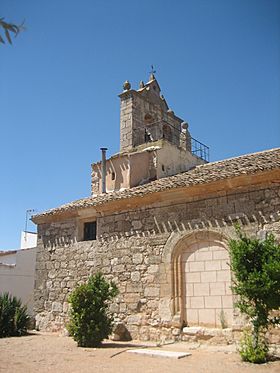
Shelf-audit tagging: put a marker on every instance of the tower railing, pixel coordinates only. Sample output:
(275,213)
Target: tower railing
(200,150)
(197,148)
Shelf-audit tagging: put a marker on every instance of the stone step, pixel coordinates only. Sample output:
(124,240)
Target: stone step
(160,353)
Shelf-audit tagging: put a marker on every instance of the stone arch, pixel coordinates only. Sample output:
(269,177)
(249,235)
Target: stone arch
(167,132)
(180,249)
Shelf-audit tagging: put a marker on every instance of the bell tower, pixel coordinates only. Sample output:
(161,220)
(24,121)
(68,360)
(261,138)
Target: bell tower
(146,118)
(154,142)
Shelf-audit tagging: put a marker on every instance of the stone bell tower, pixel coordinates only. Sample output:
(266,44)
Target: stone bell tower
(145,118)
(154,142)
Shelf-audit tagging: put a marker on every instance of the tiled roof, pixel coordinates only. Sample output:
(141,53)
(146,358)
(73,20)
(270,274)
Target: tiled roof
(8,252)
(246,164)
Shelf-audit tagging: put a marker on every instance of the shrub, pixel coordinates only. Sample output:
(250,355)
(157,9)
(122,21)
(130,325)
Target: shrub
(90,321)
(256,267)
(13,316)
(253,354)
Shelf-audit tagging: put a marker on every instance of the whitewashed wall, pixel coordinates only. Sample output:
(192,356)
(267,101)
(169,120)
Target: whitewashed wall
(17,270)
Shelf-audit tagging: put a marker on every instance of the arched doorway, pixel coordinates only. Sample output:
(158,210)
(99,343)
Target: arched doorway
(202,279)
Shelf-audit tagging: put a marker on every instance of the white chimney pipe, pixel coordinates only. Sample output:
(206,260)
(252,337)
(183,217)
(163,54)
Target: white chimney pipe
(103,150)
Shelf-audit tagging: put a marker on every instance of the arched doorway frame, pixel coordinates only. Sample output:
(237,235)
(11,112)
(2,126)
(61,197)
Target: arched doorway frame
(174,248)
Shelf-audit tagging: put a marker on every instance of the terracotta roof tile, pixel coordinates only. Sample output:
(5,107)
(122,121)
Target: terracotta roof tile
(210,172)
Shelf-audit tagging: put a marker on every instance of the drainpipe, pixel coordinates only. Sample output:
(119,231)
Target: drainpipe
(103,150)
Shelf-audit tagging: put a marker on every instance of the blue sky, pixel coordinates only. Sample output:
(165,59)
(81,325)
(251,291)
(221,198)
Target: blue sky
(217,62)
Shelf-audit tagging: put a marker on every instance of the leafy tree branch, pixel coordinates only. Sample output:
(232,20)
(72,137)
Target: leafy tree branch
(8,29)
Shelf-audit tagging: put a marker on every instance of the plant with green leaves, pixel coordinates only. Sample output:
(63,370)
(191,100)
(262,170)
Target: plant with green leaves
(256,267)
(13,316)
(90,321)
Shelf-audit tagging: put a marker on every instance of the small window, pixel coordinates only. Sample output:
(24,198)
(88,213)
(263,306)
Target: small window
(162,167)
(113,175)
(90,231)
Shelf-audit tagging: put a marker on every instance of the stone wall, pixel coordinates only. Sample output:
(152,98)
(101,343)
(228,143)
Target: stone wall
(135,249)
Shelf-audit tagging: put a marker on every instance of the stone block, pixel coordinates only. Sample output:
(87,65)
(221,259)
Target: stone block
(201,289)
(196,266)
(192,316)
(226,314)
(120,333)
(114,261)
(65,307)
(200,255)
(57,307)
(161,353)
(134,320)
(135,276)
(213,301)
(153,259)
(221,254)
(228,288)
(192,330)
(134,287)
(176,331)
(49,284)
(137,258)
(131,298)
(152,304)
(118,268)
(227,301)
(153,268)
(217,288)
(114,308)
(136,224)
(223,276)
(52,273)
(208,276)
(188,302)
(213,265)
(189,290)
(197,302)
(225,264)
(133,306)
(207,317)
(151,292)
(165,309)
(193,277)
(149,279)
(122,307)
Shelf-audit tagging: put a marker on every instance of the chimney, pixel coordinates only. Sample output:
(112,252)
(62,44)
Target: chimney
(103,150)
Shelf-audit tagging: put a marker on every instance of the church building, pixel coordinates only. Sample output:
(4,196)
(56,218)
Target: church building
(157,223)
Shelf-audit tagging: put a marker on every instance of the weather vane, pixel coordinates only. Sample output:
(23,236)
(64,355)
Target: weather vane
(153,71)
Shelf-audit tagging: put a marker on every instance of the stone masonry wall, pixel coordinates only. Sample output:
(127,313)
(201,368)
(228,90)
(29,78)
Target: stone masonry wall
(134,248)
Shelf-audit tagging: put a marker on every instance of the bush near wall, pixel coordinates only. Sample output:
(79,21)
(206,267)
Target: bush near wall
(90,321)
(256,267)
(13,316)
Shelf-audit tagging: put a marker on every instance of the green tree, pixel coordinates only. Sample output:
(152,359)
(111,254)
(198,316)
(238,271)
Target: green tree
(256,267)
(9,28)
(90,321)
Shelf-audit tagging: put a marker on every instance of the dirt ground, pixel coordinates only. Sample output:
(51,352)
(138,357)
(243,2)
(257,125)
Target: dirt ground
(45,352)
